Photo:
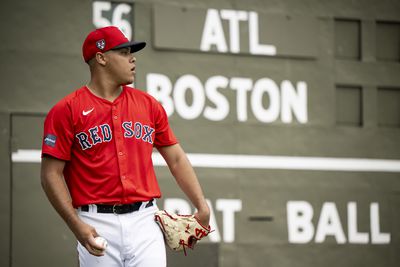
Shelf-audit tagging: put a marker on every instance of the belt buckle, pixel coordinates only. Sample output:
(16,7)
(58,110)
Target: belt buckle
(114,210)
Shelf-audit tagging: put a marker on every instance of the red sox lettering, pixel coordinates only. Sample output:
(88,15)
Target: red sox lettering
(103,133)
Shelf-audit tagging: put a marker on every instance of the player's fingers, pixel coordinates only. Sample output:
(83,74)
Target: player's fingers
(94,232)
(94,245)
(91,246)
(94,251)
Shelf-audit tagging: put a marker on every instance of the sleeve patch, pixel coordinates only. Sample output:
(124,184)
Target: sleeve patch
(50,140)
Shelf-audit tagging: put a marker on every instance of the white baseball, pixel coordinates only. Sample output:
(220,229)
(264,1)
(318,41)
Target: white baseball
(101,241)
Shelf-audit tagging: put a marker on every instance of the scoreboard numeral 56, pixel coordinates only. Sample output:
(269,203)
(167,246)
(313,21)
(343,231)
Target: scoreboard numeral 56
(117,14)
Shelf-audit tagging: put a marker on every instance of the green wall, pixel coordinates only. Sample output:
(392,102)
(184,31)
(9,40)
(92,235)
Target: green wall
(345,53)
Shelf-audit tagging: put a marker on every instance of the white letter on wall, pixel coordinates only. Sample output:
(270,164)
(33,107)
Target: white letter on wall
(329,224)
(160,87)
(242,86)
(355,237)
(293,101)
(255,47)
(213,33)
(376,236)
(221,109)
(299,216)
(228,208)
(268,86)
(184,83)
(234,17)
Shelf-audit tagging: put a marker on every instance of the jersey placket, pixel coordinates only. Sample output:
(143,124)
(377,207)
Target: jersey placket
(120,149)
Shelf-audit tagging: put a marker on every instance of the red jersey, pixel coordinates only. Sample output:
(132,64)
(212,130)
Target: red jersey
(107,145)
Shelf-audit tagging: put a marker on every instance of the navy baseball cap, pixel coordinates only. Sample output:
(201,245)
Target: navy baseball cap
(105,39)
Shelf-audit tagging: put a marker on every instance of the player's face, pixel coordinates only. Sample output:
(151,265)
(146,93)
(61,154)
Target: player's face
(121,65)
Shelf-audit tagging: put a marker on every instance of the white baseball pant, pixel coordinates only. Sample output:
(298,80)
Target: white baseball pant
(134,239)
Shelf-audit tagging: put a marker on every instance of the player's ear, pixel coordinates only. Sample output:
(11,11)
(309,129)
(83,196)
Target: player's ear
(100,58)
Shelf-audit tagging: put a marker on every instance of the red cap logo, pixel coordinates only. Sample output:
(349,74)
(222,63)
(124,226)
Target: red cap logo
(101,44)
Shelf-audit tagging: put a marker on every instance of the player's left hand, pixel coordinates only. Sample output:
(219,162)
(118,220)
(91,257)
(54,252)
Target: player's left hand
(203,215)
(181,231)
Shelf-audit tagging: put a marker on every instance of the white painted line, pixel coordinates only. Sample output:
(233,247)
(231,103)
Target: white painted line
(26,156)
(259,162)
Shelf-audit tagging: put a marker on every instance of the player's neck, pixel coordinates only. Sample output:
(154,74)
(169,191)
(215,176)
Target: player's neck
(104,90)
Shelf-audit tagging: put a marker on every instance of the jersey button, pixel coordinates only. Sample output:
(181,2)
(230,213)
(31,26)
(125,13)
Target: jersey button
(114,107)
(115,117)
(123,177)
(120,153)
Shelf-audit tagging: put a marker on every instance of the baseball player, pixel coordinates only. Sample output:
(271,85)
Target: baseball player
(96,167)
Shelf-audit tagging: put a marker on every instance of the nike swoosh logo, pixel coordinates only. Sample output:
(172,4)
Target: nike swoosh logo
(87,112)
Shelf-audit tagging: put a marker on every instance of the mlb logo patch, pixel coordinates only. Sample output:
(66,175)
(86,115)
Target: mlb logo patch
(50,140)
(101,44)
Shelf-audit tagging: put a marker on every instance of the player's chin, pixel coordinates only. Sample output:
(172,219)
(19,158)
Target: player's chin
(129,80)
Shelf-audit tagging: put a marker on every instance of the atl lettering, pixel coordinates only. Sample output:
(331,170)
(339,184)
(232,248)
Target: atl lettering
(102,133)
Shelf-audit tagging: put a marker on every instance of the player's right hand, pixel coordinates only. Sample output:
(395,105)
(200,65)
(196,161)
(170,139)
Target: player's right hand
(86,235)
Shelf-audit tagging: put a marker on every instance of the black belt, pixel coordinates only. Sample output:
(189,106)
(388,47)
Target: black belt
(118,208)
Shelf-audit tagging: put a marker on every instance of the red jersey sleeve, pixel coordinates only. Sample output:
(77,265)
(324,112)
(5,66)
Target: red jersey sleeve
(164,135)
(58,132)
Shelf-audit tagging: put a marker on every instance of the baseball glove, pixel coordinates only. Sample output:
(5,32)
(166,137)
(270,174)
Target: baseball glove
(180,231)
